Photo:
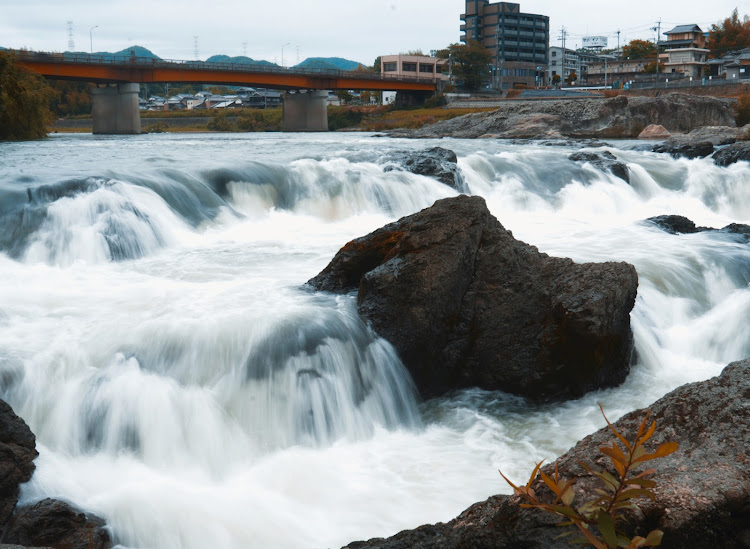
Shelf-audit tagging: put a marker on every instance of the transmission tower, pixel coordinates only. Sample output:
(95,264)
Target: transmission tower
(195,47)
(244,49)
(71,40)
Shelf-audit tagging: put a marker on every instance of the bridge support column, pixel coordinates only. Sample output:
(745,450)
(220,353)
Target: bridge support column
(305,112)
(114,109)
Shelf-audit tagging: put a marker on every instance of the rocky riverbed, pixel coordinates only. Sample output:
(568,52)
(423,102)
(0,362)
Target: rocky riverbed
(617,117)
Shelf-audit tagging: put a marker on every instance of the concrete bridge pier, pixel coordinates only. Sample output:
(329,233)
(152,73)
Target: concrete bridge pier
(114,109)
(305,111)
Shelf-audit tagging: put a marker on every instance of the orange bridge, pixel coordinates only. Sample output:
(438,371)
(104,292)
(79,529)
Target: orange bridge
(115,100)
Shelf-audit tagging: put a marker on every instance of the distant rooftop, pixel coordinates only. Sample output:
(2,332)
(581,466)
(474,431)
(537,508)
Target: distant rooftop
(681,29)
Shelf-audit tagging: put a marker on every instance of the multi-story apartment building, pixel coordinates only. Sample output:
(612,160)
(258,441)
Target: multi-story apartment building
(518,42)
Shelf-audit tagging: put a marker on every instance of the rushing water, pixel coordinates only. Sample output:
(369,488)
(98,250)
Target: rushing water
(183,384)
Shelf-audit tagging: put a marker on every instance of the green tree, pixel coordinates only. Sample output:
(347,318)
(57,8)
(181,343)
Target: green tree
(376,65)
(730,34)
(344,96)
(639,49)
(470,62)
(24,101)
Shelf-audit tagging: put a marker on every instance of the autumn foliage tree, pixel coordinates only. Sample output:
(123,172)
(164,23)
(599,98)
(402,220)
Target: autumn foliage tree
(470,62)
(639,49)
(24,101)
(731,34)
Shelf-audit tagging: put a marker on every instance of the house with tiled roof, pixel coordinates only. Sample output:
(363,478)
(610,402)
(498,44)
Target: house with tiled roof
(685,50)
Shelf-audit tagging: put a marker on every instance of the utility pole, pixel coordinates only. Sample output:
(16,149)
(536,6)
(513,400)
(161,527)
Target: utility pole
(618,40)
(563,35)
(657,28)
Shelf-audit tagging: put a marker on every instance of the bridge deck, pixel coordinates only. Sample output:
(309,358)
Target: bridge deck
(98,69)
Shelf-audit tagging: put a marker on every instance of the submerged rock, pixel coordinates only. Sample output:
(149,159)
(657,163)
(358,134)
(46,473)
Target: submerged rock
(17,453)
(54,523)
(733,153)
(465,304)
(677,224)
(702,490)
(436,162)
(605,161)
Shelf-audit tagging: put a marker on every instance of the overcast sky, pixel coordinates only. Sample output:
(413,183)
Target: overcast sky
(354,29)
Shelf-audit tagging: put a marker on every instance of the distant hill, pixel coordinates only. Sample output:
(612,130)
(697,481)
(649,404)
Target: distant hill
(240,60)
(132,51)
(328,63)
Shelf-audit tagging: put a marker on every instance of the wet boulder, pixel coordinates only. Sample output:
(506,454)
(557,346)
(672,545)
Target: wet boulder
(467,305)
(17,453)
(54,523)
(702,490)
(436,162)
(733,153)
(685,149)
(605,161)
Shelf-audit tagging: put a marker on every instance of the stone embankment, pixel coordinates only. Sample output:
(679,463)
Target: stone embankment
(467,305)
(702,490)
(617,117)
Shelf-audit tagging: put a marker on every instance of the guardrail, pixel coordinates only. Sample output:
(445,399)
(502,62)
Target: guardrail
(149,62)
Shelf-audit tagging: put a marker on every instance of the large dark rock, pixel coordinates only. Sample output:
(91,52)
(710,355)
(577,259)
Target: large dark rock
(465,304)
(683,149)
(702,491)
(436,162)
(17,453)
(605,161)
(54,523)
(733,153)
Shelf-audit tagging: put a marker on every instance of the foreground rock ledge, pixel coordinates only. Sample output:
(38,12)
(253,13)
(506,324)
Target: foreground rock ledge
(467,305)
(702,491)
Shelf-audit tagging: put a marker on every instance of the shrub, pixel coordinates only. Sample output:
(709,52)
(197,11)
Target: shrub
(220,123)
(435,101)
(597,519)
(24,101)
(513,93)
(343,117)
(742,110)
(255,120)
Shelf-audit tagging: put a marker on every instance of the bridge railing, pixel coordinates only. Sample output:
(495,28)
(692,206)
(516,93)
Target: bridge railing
(150,63)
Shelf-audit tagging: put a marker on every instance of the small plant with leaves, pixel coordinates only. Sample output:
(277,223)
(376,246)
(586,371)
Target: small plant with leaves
(597,520)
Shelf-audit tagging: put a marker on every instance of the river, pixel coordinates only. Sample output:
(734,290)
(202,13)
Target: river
(183,384)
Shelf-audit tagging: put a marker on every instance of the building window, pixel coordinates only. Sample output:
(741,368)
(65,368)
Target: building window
(389,67)
(554,54)
(409,67)
(427,68)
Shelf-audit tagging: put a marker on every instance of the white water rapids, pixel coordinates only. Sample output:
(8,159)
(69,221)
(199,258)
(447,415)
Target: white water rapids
(156,336)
